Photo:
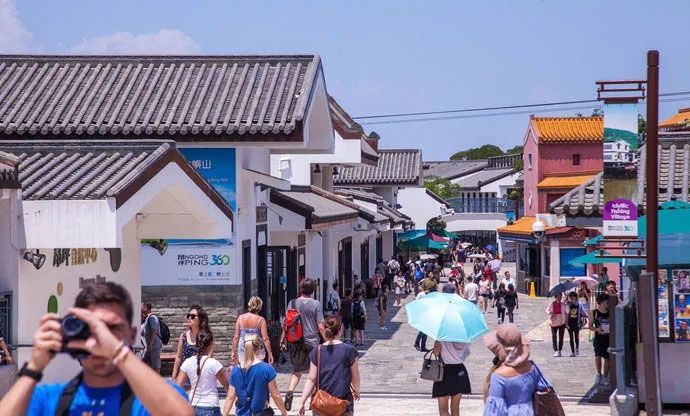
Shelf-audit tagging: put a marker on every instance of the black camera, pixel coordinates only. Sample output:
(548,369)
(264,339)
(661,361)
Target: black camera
(74,329)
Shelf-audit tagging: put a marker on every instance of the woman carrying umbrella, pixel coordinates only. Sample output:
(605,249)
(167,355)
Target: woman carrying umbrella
(456,381)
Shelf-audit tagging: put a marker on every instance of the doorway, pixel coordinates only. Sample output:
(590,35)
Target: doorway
(278,271)
(345,264)
(364,259)
(246,271)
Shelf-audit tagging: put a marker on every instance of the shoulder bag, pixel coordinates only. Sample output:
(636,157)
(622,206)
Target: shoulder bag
(323,403)
(432,369)
(197,381)
(546,403)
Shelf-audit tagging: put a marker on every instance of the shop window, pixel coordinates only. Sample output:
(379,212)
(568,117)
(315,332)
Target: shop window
(529,161)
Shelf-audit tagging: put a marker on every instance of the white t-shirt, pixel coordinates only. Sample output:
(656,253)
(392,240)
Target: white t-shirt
(471,290)
(207,390)
(454,352)
(399,285)
(507,282)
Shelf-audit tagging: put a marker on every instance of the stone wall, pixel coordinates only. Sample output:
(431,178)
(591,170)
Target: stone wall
(222,303)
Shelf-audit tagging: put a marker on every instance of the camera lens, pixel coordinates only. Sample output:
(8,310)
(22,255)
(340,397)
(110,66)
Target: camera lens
(72,326)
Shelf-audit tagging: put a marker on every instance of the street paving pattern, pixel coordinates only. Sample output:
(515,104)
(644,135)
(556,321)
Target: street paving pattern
(390,365)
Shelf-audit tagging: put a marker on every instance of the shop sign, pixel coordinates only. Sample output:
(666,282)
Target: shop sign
(620,218)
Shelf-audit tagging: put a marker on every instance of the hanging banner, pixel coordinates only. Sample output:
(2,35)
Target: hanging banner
(196,262)
(621,144)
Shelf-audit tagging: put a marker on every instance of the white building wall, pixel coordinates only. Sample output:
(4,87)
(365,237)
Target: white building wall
(499,187)
(419,206)
(9,260)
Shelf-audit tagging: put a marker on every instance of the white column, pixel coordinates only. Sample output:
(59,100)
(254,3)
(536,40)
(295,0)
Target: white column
(555,269)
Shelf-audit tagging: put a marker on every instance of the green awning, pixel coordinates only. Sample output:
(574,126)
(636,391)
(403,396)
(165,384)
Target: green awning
(671,221)
(593,241)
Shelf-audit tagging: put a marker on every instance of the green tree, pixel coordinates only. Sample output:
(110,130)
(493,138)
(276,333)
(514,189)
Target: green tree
(487,150)
(514,150)
(441,187)
(435,225)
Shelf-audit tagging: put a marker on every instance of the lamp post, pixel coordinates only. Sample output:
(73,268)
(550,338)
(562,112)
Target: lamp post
(539,232)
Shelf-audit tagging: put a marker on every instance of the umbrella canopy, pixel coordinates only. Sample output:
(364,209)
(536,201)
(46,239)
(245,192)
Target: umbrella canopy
(671,221)
(439,239)
(446,317)
(477,256)
(589,281)
(593,258)
(408,235)
(465,245)
(422,243)
(675,205)
(447,234)
(562,288)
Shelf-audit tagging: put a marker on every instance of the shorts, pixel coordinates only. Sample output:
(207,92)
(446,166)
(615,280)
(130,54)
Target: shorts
(382,312)
(601,345)
(347,322)
(358,324)
(299,356)
(455,381)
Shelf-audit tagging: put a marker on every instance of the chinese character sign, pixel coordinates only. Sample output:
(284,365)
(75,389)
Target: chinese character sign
(621,144)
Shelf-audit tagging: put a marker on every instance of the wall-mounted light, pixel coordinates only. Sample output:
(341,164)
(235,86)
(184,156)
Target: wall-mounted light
(317,168)
(35,258)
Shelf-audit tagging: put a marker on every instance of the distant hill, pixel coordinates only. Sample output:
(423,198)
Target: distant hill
(612,135)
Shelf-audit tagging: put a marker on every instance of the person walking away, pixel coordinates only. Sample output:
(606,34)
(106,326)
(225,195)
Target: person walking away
(381,305)
(333,302)
(399,283)
(300,335)
(499,302)
(456,381)
(484,293)
(511,302)
(471,291)
(511,383)
(577,316)
(334,369)
(112,381)
(393,268)
(495,265)
(376,281)
(251,323)
(557,321)
(420,341)
(197,320)
(346,316)
(252,381)
(204,372)
(150,333)
(600,325)
(359,318)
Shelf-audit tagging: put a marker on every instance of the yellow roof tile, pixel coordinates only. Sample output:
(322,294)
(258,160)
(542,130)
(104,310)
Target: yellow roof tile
(569,181)
(682,119)
(522,226)
(569,129)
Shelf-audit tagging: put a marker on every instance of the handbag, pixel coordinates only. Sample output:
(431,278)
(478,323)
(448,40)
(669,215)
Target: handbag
(432,369)
(546,403)
(323,403)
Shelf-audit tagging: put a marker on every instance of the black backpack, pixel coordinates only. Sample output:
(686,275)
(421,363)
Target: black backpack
(357,310)
(165,331)
(65,401)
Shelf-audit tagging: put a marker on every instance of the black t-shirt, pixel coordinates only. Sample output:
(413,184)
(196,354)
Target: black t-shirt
(574,315)
(381,302)
(334,375)
(511,299)
(601,320)
(500,297)
(346,308)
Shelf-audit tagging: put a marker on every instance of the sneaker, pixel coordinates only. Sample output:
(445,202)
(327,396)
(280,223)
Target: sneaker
(556,354)
(288,400)
(605,381)
(498,321)
(572,354)
(577,352)
(597,379)
(559,354)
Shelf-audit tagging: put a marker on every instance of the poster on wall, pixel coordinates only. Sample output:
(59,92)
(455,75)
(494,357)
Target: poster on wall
(621,144)
(569,269)
(664,318)
(681,304)
(196,262)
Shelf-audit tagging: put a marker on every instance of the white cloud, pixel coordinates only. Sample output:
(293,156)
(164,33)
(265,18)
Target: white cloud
(163,42)
(14,38)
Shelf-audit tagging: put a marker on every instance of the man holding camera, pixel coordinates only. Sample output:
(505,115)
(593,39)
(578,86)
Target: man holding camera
(114,382)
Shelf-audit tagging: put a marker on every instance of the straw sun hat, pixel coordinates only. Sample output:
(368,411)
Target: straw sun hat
(507,344)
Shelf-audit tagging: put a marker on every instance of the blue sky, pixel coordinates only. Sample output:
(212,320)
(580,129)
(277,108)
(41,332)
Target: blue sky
(388,57)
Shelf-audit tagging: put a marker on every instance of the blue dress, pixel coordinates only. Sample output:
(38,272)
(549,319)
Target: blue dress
(513,396)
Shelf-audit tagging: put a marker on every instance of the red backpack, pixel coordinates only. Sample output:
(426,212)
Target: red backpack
(293,324)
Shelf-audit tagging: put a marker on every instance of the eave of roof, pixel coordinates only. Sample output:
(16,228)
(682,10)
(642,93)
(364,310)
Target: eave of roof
(185,98)
(395,167)
(554,130)
(564,181)
(437,198)
(680,120)
(291,200)
(522,227)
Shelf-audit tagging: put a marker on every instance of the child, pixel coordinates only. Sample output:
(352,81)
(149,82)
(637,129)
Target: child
(381,304)
(600,325)
(577,316)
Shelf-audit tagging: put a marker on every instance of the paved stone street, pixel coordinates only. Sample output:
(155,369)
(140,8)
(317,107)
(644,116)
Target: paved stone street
(389,365)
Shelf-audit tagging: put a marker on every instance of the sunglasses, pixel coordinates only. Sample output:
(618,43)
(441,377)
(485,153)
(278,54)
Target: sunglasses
(191,316)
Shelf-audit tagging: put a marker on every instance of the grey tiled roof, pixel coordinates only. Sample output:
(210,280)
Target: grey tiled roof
(182,97)
(383,207)
(315,204)
(453,168)
(395,167)
(483,177)
(361,194)
(674,178)
(87,170)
